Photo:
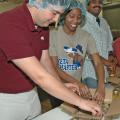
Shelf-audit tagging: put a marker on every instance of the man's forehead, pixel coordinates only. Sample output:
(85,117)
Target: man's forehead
(96,0)
(56,9)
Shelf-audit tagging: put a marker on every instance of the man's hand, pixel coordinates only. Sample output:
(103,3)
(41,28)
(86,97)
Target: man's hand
(112,62)
(91,106)
(111,67)
(113,59)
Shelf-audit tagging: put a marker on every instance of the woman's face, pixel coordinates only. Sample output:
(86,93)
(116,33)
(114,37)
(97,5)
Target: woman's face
(72,20)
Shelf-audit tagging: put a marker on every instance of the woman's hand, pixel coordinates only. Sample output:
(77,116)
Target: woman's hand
(73,87)
(99,95)
(84,90)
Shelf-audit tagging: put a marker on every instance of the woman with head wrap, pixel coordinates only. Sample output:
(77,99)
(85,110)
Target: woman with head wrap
(68,47)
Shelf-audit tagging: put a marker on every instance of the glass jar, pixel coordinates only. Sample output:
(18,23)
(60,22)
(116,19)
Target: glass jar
(116,93)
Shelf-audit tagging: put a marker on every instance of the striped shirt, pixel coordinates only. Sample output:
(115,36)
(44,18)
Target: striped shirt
(103,39)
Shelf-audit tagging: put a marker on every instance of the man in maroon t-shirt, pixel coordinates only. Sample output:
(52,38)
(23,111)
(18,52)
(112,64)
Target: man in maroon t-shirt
(25,61)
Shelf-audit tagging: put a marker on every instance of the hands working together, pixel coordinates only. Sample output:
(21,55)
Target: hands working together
(83,91)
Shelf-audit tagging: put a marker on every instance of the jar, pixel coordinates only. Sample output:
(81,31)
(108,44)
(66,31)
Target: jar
(116,93)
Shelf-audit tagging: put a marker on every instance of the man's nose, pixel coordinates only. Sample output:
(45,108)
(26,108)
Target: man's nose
(56,19)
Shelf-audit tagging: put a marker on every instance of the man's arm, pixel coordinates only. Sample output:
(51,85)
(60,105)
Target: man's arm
(35,70)
(49,66)
(47,63)
(99,69)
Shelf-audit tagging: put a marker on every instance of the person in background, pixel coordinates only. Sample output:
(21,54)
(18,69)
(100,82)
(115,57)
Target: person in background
(100,30)
(25,61)
(68,47)
(116,49)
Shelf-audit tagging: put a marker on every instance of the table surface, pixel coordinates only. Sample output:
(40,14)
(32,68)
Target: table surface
(58,114)
(54,114)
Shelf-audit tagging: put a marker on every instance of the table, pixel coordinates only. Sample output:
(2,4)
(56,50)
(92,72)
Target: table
(54,114)
(66,111)
(58,114)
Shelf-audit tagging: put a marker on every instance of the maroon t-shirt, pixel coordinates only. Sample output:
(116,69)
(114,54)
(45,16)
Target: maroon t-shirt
(18,39)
